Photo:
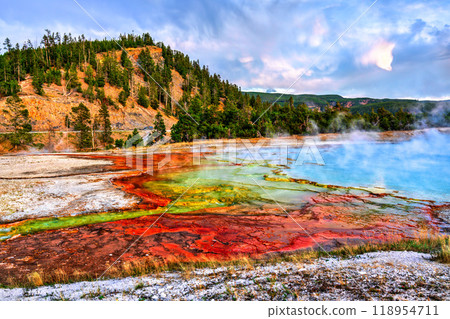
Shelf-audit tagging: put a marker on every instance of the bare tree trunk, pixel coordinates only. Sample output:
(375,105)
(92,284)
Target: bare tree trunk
(65,87)
(93,138)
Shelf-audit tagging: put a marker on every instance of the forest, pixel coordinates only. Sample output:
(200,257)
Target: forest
(210,106)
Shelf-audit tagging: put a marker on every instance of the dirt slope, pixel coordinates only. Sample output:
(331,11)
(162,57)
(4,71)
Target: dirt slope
(50,110)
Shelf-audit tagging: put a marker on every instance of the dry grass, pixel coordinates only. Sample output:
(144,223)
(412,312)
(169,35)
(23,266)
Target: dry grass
(434,245)
(443,254)
(35,279)
(437,246)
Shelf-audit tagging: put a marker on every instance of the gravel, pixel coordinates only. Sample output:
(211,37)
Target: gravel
(378,276)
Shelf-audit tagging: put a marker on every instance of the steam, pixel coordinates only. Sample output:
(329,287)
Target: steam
(438,115)
(413,163)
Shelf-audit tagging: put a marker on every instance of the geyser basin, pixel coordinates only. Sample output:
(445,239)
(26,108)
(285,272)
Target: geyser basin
(221,211)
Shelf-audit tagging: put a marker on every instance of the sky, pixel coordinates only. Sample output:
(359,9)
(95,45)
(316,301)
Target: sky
(395,49)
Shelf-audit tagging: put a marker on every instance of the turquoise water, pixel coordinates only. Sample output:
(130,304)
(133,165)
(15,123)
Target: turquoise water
(418,168)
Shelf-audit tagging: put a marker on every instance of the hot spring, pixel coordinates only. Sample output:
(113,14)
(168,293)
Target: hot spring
(417,167)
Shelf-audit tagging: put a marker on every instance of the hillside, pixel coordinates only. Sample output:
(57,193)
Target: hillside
(50,109)
(311,100)
(134,76)
(125,83)
(435,111)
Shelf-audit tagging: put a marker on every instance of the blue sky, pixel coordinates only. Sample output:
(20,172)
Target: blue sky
(398,49)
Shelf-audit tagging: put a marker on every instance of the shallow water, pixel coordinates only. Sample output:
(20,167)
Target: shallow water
(417,168)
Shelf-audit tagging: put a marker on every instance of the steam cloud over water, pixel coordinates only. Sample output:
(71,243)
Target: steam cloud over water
(418,167)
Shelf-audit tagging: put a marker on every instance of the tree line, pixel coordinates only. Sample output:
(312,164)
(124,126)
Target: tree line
(251,118)
(215,107)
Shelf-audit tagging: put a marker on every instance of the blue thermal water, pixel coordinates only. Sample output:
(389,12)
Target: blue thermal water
(418,168)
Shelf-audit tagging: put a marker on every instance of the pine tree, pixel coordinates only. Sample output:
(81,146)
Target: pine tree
(125,61)
(82,122)
(18,122)
(185,130)
(154,103)
(159,126)
(7,46)
(100,80)
(123,96)
(89,94)
(142,97)
(89,76)
(119,143)
(38,82)
(71,77)
(134,139)
(105,124)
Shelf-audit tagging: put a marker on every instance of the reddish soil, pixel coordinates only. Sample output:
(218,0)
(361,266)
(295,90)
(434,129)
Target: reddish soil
(215,234)
(186,237)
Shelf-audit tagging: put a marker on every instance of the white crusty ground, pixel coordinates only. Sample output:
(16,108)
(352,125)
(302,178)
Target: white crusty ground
(23,199)
(35,166)
(32,193)
(379,276)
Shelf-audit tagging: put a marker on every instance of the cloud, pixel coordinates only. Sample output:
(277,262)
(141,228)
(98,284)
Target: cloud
(380,55)
(246,59)
(268,44)
(319,30)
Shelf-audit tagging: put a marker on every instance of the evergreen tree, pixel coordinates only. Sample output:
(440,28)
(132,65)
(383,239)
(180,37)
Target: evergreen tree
(100,94)
(123,96)
(159,126)
(134,139)
(125,61)
(38,82)
(142,97)
(89,78)
(100,80)
(105,124)
(71,77)
(67,121)
(53,76)
(7,46)
(18,122)
(9,88)
(89,94)
(146,62)
(82,122)
(119,143)
(154,103)
(185,130)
